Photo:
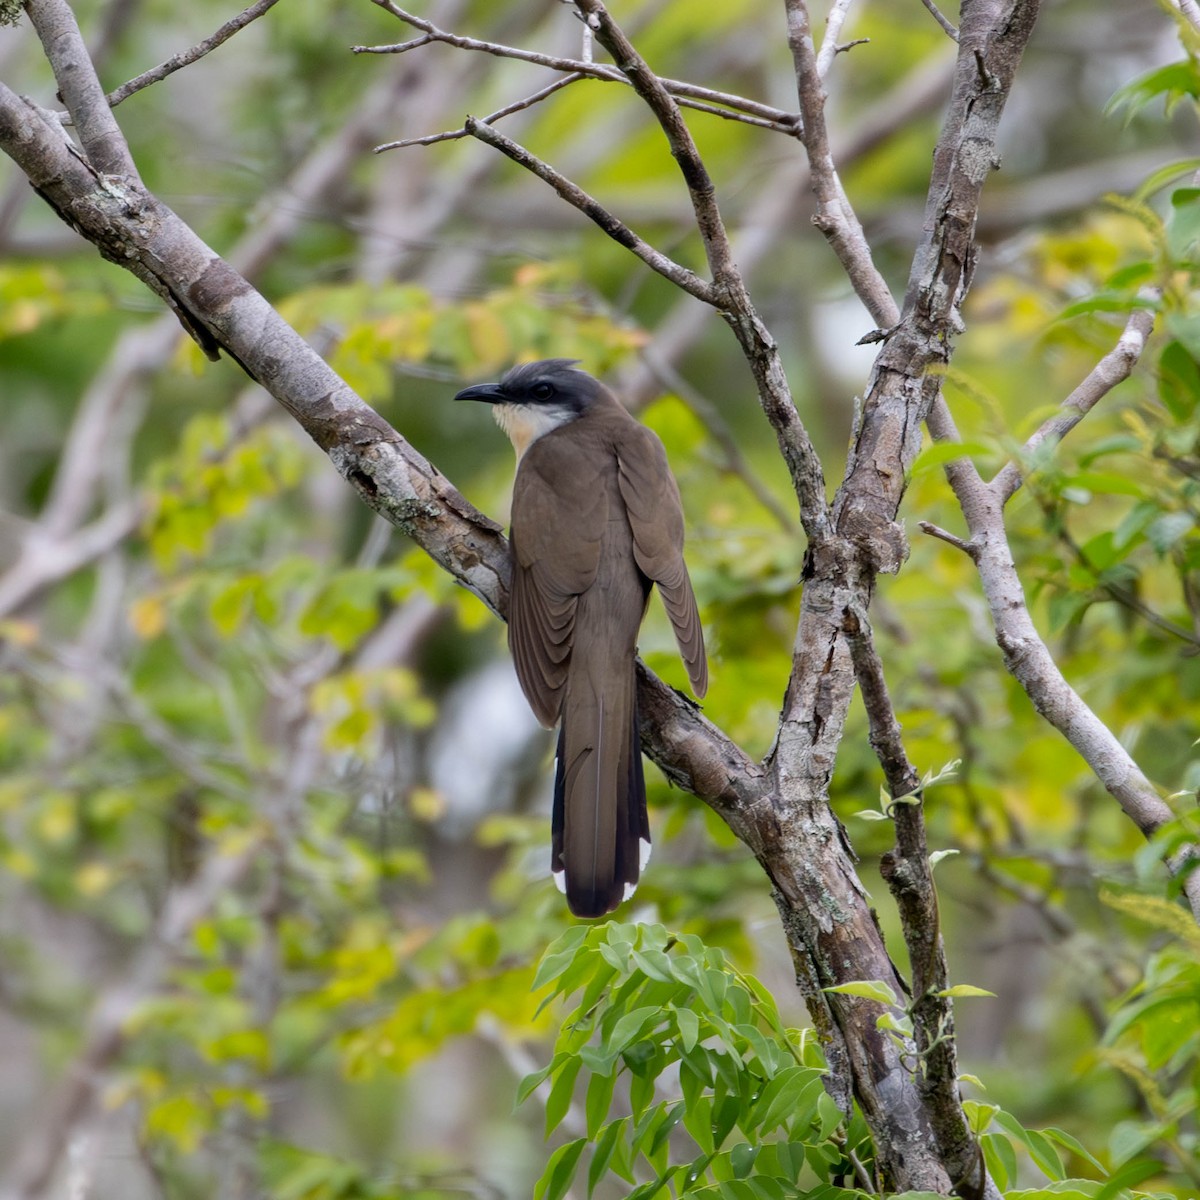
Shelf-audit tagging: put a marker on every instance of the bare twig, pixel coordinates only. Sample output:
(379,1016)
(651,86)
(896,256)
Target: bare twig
(760,229)
(683,148)
(909,877)
(835,217)
(766,114)
(838,11)
(594,211)
(946,536)
(729,290)
(186,57)
(462,132)
(936,12)
(1115,367)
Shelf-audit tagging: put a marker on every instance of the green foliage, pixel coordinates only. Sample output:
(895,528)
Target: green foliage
(208,686)
(541,314)
(658,1013)
(1154,1041)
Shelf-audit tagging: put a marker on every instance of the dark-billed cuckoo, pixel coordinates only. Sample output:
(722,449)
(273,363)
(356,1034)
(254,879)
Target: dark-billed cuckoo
(596,520)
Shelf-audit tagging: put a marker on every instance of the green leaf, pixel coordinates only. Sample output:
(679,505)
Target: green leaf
(1129,1176)
(1166,530)
(1076,1147)
(1178,381)
(780,1098)
(560,954)
(629,1027)
(965,989)
(531,1082)
(606,1144)
(1042,1151)
(868,989)
(1000,1157)
(1183,227)
(1105,301)
(655,964)
(1166,174)
(599,1100)
(559,1100)
(741,1159)
(688,1025)
(697,1120)
(1176,81)
(559,1172)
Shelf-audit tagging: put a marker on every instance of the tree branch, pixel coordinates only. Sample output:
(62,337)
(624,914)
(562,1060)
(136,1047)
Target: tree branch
(138,232)
(102,140)
(683,148)
(835,217)
(1114,368)
(838,11)
(936,13)
(907,871)
(593,210)
(187,57)
(451,135)
(708,99)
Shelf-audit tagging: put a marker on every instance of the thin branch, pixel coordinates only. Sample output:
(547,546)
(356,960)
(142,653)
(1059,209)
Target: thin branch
(387,473)
(838,11)
(730,295)
(944,535)
(909,877)
(735,461)
(462,132)
(948,26)
(835,217)
(770,117)
(683,148)
(775,209)
(186,57)
(1114,368)
(574,195)
(102,140)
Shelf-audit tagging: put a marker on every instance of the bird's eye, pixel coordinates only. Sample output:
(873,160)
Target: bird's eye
(541,391)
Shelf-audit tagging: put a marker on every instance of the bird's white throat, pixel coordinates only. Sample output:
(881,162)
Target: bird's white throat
(525,423)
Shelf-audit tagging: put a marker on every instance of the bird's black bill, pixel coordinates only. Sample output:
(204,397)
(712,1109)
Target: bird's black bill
(489,393)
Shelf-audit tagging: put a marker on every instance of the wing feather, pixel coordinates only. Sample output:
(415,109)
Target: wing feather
(655,511)
(556,534)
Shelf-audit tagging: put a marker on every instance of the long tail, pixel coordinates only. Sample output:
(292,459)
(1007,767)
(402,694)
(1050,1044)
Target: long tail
(600,830)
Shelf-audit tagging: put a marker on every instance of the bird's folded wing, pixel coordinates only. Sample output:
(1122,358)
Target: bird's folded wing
(652,501)
(557,532)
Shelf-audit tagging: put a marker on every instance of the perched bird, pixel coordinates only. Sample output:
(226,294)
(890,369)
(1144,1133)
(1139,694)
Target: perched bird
(596,520)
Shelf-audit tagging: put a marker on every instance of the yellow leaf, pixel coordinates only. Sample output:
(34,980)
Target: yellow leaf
(148,617)
(57,821)
(426,804)
(93,878)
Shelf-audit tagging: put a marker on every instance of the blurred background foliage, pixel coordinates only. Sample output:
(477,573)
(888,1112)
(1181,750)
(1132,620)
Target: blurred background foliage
(211,654)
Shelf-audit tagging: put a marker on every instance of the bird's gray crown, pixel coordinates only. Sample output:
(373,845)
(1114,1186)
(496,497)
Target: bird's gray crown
(555,382)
